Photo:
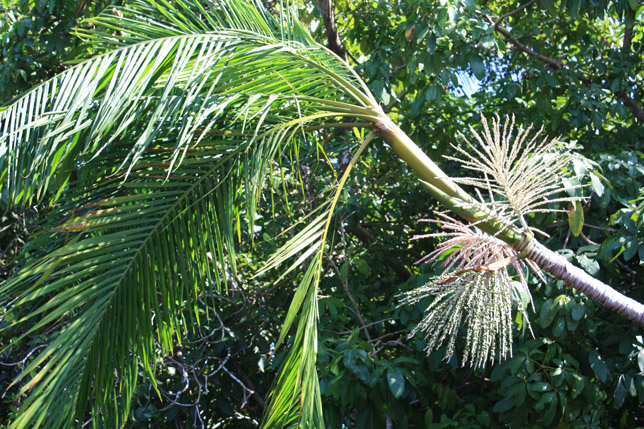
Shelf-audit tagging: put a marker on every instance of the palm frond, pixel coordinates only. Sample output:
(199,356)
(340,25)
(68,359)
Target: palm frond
(296,401)
(126,255)
(172,79)
(171,129)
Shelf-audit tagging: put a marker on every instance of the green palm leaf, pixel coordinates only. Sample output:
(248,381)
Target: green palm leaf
(170,127)
(118,263)
(171,79)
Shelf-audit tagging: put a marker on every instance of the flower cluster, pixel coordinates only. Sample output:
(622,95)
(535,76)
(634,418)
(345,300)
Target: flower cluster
(474,295)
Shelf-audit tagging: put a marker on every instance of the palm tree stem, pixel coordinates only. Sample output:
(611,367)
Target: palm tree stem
(417,159)
(456,199)
(576,278)
(481,219)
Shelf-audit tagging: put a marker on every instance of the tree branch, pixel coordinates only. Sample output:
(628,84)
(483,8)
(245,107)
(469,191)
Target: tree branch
(513,12)
(553,63)
(628,31)
(325,7)
(630,102)
(557,64)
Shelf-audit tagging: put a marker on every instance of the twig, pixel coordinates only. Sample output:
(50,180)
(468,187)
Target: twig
(237,416)
(345,283)
(586,239)
(246,391)
(345,286)
(586,225)
(391,343)
(7,227)
(513,12)
(629,270)
(389,334)
(9,246)
(258,398)
(347,332)
(26,357)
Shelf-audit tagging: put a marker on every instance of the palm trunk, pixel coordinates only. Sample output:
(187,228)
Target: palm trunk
(579,279)
(451,195)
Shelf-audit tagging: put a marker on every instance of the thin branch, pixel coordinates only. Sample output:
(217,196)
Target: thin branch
(9,246)
(391,343)
(396,69)
(553,63)
(513,12)
(630,102)
(399,97)
(388,334)
(258,398)
(586,239)
(557,64)
(21,362)
(348,332)
(7,226)
(557,224)
(354,304)
(630,272)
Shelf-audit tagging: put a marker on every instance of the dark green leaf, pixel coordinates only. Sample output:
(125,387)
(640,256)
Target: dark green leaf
(396,381)
(598,365)
(362,373)
(431,43)
(546,316)
(577,311)
(478,68)
(630,248)
(559,327)
(429,418)
(620,393)
(541,386)
(589,265)
(503,405)
(344,271)
(363,267)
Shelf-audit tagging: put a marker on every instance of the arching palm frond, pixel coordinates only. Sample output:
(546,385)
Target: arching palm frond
(123,255)
(171,130)
(170,77)
(296,401)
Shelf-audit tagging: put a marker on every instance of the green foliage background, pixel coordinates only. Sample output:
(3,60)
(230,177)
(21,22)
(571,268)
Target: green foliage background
(436,66)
